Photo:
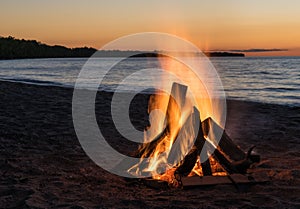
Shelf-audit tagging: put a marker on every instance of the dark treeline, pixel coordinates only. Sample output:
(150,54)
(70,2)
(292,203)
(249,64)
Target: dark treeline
(11,48)
(224,54)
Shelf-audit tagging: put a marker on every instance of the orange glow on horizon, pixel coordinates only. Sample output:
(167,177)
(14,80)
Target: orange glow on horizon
(214,25)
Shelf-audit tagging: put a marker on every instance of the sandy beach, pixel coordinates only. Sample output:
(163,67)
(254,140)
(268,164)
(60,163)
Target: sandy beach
(44,166)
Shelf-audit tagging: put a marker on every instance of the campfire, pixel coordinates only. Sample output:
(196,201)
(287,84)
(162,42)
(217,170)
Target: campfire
(182,150)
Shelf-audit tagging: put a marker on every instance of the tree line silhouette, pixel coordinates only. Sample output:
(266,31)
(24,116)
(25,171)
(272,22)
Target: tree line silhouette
(11,48)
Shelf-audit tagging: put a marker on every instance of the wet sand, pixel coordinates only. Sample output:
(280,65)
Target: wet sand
(44,166)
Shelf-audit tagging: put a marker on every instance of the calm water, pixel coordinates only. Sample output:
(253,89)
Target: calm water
(263,79)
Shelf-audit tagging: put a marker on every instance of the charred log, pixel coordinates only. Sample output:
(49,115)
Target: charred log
(221,159)
(178,94)
(200,144)
(231,167)
(242,165)
(226,144)
(190,160)
(188,163)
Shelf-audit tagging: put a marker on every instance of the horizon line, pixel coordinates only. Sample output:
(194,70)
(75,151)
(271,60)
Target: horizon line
(242,50)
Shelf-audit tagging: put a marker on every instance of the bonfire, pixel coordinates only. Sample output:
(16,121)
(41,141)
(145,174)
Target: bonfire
(181,150)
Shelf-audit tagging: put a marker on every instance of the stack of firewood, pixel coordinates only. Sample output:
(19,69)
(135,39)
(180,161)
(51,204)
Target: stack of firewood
(232,159)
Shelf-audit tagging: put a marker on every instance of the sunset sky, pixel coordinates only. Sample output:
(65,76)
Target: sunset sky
(211,25)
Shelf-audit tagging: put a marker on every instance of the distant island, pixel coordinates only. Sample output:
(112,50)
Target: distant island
(208,54)
(224,54)
(12,48)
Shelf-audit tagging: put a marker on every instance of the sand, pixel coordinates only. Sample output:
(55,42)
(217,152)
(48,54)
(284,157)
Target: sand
(43,165)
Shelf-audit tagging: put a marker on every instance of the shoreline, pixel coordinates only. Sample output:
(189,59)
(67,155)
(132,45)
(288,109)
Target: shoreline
(64,86)
(43,164)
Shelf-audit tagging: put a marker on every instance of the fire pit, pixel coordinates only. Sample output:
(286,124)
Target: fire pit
(205,161)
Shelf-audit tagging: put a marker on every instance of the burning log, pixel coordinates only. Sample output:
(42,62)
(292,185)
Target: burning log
(222,160)
(206,167)
(178,94)
(188,163)
(225,150)
(180,137)
(231,167)
(200,142)
(226,144)
(228,154)
(148,148)
(190,160)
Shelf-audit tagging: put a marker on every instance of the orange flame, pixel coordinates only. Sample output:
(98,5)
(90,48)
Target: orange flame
(172,112)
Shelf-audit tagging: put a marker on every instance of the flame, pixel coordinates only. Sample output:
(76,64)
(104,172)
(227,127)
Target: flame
(171,114)
(197,90)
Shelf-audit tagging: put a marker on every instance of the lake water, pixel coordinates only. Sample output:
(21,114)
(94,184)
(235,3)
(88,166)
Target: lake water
(261,79)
